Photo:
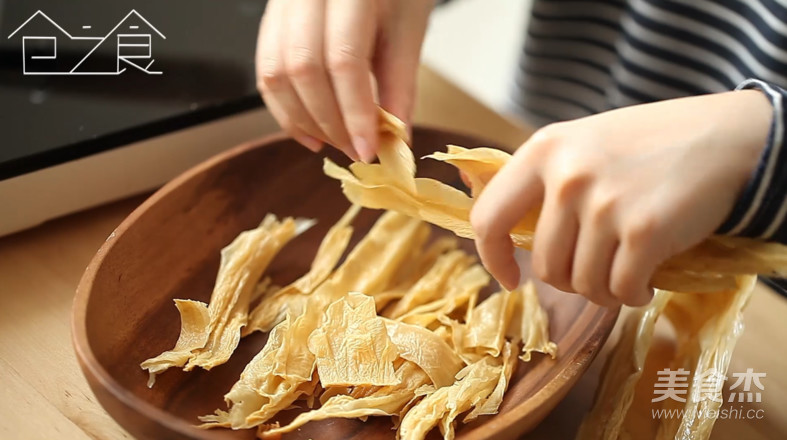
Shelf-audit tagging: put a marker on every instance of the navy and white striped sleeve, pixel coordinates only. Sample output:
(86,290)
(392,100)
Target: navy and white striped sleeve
(761,210)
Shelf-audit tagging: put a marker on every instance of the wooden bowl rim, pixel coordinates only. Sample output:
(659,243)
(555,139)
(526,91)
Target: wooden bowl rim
(604,318)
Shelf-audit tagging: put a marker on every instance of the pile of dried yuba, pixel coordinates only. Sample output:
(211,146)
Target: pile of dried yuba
(396,328)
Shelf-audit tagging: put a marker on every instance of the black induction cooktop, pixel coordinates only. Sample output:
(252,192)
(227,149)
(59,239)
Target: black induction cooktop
(84,76)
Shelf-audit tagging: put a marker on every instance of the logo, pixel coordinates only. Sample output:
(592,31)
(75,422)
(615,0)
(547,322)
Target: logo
(707,386)
(131,40)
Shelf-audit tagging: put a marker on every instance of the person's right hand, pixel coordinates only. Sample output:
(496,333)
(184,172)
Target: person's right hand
(316,61)
(621,192)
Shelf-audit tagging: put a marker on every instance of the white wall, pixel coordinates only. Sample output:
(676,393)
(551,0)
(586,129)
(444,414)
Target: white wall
(476,44)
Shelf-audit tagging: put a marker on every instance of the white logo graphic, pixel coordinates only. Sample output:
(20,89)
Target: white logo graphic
(711,382)
(131,38)
(671,384)
(746,380)
(674,384)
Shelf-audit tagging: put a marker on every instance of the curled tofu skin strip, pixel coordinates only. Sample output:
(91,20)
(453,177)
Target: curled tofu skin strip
(462,291)
(473,387)
(211,343)
(194,331)
(622,372)
(516,315)
(272,308)
(384,401)
(710,266)
(706,343)
(425,349)
(707,328)
(352,346)
(487,324)
(431,285)
(532,322)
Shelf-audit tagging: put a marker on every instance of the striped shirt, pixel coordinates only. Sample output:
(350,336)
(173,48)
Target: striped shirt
(586,56)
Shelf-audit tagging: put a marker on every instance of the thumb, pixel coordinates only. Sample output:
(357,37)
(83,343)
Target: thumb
(396,87)
(397,55)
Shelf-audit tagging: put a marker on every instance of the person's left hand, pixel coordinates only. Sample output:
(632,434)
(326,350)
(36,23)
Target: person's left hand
(622,191)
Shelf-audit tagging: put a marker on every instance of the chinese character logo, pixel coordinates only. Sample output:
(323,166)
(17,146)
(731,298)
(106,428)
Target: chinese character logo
(711,382)
(671,384)
(131,41)
(707,387)
(746,379)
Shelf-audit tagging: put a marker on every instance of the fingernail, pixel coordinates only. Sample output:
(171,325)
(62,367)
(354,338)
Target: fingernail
(311,143)
(350,152)
(363,149)
(511,281)
(465,179)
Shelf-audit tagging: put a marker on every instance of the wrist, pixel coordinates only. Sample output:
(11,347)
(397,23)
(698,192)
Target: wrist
(750,124)
(760,207)
(757,110)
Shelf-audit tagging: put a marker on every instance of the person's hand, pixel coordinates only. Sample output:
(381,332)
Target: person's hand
(622,191)
(318,61)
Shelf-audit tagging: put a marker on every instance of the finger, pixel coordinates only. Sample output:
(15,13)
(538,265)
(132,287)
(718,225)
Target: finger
(511,194)
(303,54)
(593,258)
(633,266)
(351,27)
(554,242)
(465,179)
(287,125)
(274,86)
(396,59)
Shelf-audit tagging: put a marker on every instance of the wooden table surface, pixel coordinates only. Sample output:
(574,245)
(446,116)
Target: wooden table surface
(44,395)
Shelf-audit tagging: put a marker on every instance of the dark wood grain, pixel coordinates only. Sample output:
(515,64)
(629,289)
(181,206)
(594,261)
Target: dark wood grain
(169,248)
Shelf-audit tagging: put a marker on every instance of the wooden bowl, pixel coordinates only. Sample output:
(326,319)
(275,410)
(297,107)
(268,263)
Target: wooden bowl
(169,248)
